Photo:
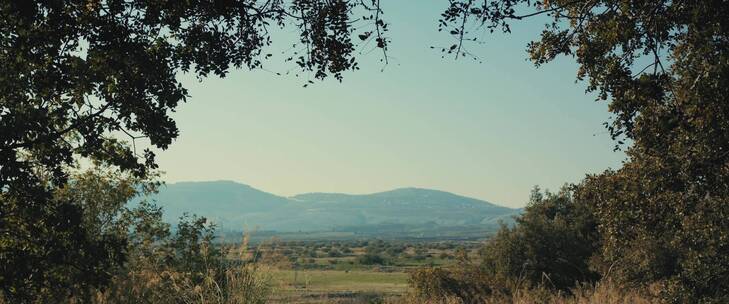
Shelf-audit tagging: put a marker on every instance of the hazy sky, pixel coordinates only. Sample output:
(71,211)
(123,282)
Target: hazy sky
(491,130)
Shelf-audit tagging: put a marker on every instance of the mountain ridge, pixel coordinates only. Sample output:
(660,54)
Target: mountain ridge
(235,205)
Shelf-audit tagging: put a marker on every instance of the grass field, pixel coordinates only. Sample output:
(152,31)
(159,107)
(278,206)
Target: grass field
(355,271)
(315,286)
(335,280)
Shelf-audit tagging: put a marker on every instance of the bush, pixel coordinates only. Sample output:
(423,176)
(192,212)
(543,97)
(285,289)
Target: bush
(434,286)
(664,226)
(371,259)
(68,241)
(550,248)
(457,285)
(135,257)
(551,244)
(187,267)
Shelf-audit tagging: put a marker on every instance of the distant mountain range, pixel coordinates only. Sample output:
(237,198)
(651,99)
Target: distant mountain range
(236,207)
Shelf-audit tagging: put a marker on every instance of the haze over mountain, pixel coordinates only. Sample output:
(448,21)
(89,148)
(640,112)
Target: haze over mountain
(235,206)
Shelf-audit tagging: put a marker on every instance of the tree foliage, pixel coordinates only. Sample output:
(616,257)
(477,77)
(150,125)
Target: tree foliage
(84,79)
(663,68)
(551,243)
(82,244)
(128,254)
(550,248)
(77,72)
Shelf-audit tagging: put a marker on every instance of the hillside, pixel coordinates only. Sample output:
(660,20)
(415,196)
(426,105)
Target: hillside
(236,207)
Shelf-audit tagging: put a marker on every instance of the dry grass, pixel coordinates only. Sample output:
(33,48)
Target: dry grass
(605,293)
(243,283)
(600,293)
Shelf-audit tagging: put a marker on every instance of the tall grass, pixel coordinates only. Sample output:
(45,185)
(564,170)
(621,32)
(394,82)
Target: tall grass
(600,293)
(238,280)
(439,286)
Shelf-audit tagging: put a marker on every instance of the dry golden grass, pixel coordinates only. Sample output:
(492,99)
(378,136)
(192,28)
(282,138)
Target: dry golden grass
(600,293)
(245,283)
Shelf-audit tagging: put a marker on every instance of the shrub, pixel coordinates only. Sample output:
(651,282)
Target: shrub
(438,287)
(136,257)
(552,243)
(371,259)
(549,248)
(457,285)
(662,225)
(187,267)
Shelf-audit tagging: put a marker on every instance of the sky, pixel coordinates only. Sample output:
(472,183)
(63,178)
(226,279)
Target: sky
(489,130)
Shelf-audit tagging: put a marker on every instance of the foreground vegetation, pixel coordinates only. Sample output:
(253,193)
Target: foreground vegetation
(551,255)
(144,260)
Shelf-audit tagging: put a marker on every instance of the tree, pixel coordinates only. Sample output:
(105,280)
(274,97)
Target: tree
(77,72)
(87,78)
(663,67)
(85,245)
(550,248)
(87,68)
(551,244)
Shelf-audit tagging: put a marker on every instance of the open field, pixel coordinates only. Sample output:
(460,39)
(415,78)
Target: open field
(333,286)
(349,271)
(337,280)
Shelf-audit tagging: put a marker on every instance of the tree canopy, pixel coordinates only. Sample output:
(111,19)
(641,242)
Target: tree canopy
(77,72)
(663,68)
(82,79)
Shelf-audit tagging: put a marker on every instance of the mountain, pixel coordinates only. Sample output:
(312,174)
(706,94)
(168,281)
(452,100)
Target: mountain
(225,202)
(235,206)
